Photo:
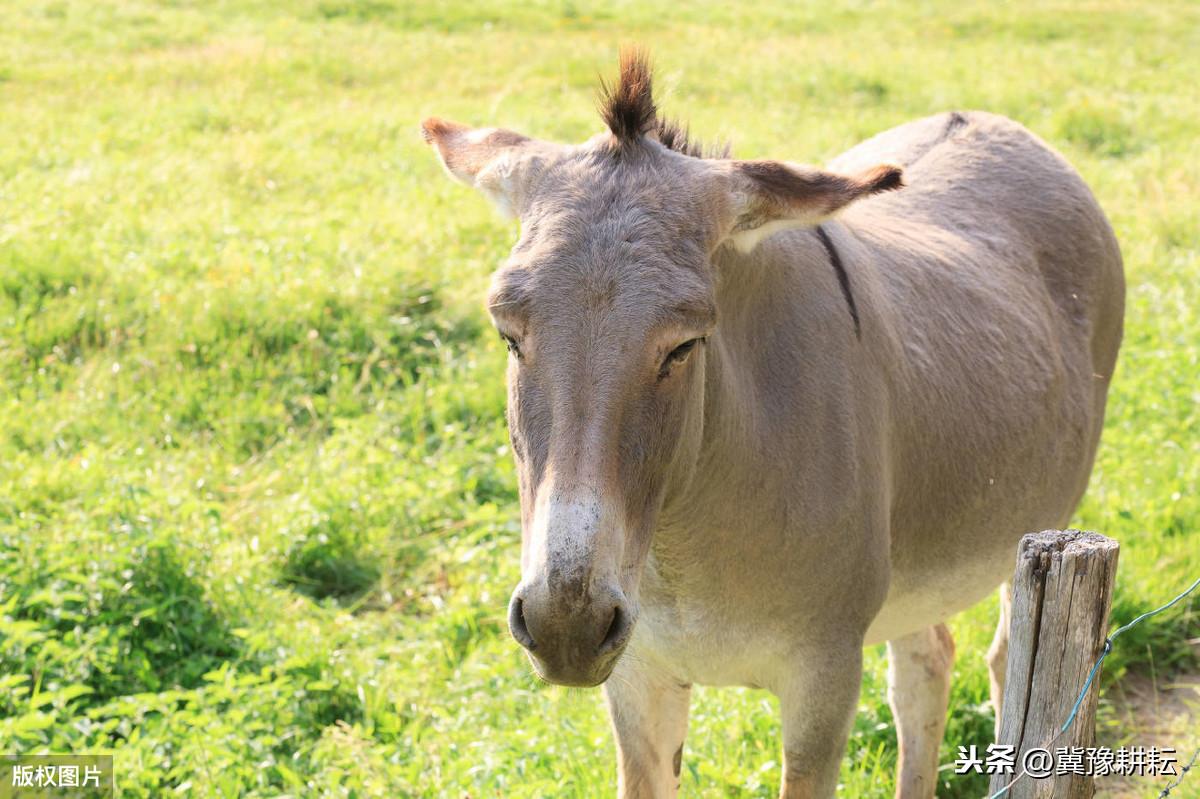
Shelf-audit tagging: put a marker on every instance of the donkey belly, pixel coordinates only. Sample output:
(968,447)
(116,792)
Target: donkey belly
(934,581)
(987,468)
(998,440)
(1001,391)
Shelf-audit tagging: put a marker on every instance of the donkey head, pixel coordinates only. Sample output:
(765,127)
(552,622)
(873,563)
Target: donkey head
(606,304)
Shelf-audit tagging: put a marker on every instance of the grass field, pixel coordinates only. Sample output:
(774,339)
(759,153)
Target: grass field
(257,513)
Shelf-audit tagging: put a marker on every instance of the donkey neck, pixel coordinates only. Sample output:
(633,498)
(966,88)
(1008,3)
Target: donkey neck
(789,275)
(784,333)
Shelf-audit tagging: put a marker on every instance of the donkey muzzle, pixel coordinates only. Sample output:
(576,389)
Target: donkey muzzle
(574,634)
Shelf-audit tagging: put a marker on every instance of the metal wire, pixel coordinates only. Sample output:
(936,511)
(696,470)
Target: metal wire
(1182,773)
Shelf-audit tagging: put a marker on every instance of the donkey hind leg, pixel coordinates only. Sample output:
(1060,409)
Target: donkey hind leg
(649,713)
(997,654)
(919,667)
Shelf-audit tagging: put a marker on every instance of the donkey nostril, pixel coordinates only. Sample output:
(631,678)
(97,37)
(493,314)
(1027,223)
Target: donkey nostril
(517,626)
(617,631)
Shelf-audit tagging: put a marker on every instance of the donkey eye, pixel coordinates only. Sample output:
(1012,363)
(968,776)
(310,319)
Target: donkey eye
(678,355)
(511,343)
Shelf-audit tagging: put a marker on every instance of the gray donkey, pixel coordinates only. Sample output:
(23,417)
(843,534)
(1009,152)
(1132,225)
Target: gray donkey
(765,414)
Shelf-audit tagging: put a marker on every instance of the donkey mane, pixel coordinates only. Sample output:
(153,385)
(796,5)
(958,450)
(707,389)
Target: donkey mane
(629,111)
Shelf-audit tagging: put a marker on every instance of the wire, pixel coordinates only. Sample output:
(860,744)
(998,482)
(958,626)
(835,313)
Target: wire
(1182,773)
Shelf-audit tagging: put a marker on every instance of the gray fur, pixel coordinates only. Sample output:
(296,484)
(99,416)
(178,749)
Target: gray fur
(789,491)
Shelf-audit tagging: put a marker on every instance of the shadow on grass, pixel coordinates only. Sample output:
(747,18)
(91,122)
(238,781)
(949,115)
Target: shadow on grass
(330,562)
(119,622)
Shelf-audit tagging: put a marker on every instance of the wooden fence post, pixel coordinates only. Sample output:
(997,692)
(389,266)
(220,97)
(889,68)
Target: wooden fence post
(1062,593)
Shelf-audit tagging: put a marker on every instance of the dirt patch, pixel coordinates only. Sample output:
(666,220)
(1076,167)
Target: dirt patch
(1147,711)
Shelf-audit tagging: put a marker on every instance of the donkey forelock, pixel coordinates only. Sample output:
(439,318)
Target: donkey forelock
(630,113)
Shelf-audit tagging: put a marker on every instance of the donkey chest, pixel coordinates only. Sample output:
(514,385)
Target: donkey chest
(702,645)
(742,616)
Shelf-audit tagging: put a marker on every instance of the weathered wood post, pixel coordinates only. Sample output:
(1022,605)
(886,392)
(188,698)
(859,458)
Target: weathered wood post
(1062,593)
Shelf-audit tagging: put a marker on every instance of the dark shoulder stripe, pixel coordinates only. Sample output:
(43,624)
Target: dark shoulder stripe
(843,278)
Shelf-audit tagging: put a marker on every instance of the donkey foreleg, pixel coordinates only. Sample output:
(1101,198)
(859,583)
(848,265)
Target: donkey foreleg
(649,713)
(818,703)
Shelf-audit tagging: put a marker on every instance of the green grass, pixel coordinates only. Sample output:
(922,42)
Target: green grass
(257,513)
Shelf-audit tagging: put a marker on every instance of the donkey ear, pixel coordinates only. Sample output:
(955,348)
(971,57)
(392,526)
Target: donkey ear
(769,196)
(489,159)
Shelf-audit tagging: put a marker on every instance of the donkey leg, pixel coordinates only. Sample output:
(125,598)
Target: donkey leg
(997,654)
(919,667)
(649,713)
(818,704)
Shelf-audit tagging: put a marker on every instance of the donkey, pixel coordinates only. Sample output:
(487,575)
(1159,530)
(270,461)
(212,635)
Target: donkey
(765,414)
